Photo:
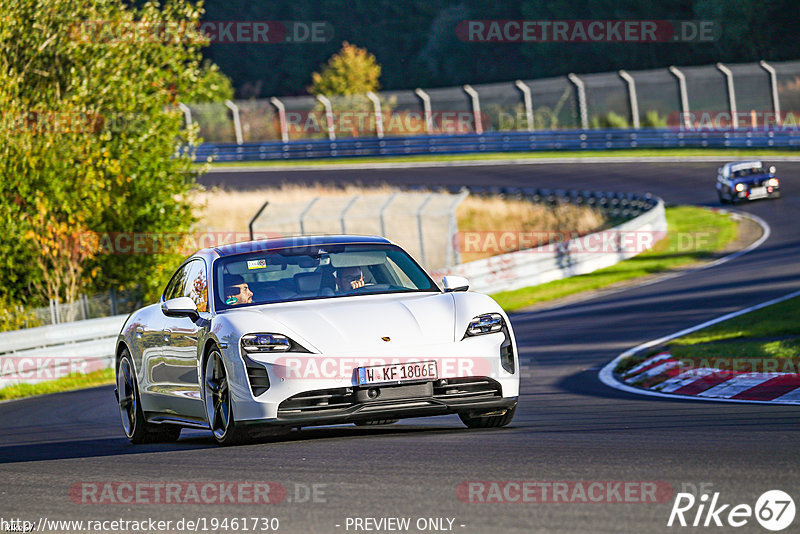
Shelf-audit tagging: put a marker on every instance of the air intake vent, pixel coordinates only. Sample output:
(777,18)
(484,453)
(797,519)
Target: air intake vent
(469,387)
(319,401)
(257,376)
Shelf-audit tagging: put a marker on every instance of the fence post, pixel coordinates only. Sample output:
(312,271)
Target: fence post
(731,94)
(344,211)
(85,306)
(684,95)
(419,228)
(112,295)
(256,216)
(773,82)
(527,101)
(426,109)
(381,213)
(581,88)
(52,312)
(328,116)
(634,102)
(187,113)
(476,108)
(237,123)
(303,214)
(453,253)
(281,118)
(376,103)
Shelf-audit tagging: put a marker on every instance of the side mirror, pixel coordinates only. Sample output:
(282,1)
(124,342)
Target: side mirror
(180,307)
(455,283)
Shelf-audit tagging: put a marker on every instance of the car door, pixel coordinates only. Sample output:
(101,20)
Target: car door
(179,370)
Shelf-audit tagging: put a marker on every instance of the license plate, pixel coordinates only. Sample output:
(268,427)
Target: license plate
(758,192)
(397,372)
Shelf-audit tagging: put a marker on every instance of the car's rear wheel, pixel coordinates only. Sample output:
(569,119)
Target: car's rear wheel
(488,420)
(136,427)
(217,398)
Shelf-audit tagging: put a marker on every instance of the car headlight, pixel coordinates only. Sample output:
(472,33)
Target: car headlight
(740,187)
(252,343)
(485,324)
(772,182)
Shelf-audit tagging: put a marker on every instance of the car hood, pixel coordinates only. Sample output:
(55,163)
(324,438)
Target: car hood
(359,323)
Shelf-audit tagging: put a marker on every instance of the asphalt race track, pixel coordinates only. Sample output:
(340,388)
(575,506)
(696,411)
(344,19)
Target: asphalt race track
(569,427)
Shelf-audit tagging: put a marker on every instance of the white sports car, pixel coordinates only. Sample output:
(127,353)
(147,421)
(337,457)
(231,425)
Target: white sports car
(261,337)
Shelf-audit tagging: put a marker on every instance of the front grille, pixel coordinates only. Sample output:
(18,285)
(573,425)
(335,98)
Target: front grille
(468,387)
(336,400)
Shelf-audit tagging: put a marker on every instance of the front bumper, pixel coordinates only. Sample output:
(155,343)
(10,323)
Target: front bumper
(295,377)
(467,395)
(344,405)
(757,193)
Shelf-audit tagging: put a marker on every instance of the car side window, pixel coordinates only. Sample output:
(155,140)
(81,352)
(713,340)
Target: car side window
(196,284)
(177,284)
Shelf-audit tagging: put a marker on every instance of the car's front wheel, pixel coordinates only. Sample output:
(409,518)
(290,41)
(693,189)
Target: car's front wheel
(488,420)
(136,427)
(217,398)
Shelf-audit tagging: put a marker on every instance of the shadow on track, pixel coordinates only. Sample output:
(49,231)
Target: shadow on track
(90,448)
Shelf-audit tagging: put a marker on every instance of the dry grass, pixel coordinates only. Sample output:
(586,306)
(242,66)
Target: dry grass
(230,211)
(524,222)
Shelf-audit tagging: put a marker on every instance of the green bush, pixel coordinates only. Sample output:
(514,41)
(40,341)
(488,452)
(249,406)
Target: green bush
(90,140)
(610,120)
(653,120)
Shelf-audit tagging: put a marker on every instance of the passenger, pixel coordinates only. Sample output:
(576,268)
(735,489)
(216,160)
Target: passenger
(236,290)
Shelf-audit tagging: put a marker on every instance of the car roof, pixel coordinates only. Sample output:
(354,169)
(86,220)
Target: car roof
(747,164)
(298,241)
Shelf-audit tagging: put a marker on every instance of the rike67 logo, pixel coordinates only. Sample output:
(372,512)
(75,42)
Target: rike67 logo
(774,510)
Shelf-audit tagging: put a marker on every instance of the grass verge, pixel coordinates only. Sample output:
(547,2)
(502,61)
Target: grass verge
(490,156)
(694,234)
(765,340)
(68,383)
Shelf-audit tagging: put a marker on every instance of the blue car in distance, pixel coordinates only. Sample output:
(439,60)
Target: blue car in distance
(746,180)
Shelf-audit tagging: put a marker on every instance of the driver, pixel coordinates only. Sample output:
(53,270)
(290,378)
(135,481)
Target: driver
(349,278)
(236,290)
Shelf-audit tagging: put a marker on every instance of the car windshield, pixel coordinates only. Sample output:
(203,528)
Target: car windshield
(748,171)
(311,272)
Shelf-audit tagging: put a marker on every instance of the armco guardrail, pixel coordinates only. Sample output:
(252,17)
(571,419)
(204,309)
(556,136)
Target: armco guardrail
(500,142)
(580,255)
(48,352)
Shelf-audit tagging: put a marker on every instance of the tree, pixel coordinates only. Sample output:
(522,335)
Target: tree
(345,79)
(351,71)
(91,140)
